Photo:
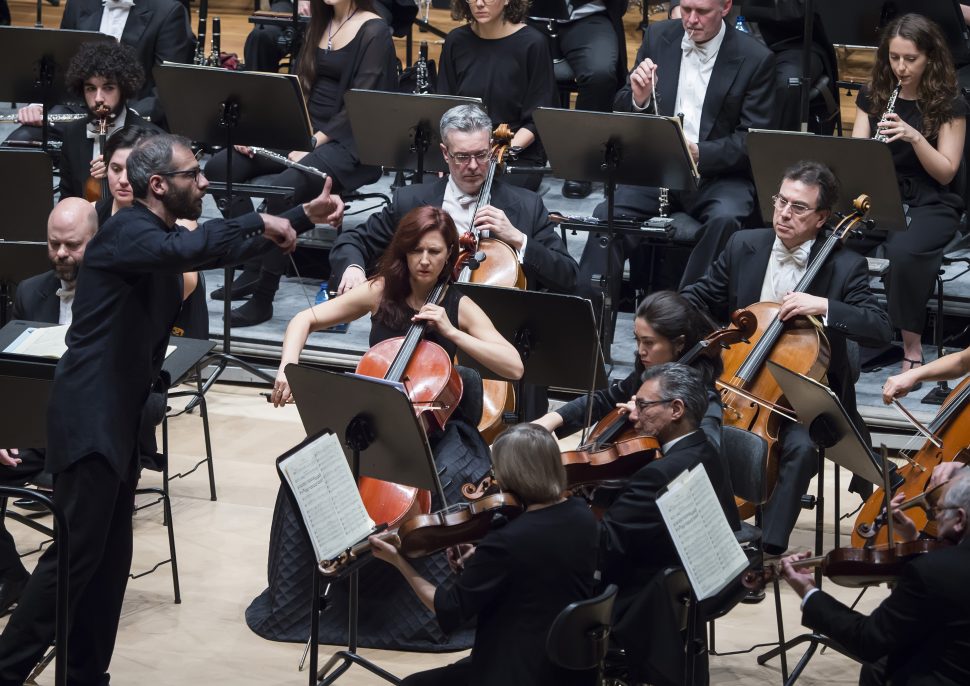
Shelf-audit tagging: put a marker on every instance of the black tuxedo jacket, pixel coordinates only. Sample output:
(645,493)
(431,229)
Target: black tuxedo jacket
(157,30)
(546,263)
(735,281)
(128,296)
(740,95)
(922,628)
(77,152)
(36,299)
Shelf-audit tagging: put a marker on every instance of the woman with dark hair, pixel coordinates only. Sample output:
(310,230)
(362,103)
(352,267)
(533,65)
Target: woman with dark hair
(347,46)
(925,132)
(507,64)
(421,253)
(665,328)
(518,578)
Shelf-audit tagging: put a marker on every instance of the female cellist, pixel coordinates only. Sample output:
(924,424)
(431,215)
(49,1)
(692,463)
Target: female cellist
(518,578)
(666,326)
(913,103)
(420,254)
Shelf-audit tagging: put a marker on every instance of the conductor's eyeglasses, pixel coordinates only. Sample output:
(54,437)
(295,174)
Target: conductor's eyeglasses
(464,158)
(797,208)
(193,174)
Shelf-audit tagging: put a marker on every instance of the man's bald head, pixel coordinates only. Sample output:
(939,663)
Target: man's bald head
(71,224)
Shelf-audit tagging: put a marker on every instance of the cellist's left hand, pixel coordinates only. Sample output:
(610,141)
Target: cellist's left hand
(494,220)
(437,319)
(802,304)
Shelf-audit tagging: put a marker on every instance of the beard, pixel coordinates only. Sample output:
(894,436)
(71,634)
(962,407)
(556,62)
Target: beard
(66,270)
(182,202)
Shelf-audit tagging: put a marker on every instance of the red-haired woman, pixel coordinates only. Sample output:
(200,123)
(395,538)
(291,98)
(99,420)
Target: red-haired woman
(421,253)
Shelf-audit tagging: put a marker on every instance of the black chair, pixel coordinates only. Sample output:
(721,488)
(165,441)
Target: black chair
(580,634)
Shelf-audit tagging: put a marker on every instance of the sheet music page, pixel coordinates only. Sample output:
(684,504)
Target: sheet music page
(707,547)
(330,504)
(43,341)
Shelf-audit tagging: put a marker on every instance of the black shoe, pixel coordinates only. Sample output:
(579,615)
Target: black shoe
(251,314)
(753,597)
(576,189)
(11,586)
(242,287)
(31,505)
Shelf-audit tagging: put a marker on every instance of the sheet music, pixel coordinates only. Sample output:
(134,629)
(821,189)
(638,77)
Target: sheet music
(707,547)
(683,137)
(47,341)
(330,504)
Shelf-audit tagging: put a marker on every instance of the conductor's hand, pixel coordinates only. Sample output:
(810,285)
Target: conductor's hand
(281,390)
(353,277)
(495,221)
(799,579)
(643,80)
(98,168)
(325,208)
(8,457)
(31,115)
(279,231)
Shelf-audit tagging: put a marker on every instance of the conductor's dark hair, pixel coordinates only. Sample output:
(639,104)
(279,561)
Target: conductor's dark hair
(128,137)
(151,156)
(112,61)
(678,381)
(816,174)
(514,12)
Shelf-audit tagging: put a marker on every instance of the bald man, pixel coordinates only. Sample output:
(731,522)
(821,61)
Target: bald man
(48,297)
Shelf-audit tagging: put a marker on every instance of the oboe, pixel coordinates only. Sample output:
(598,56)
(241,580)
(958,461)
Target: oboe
(890,108)
(52,118)
(214,60)
(200,39)
(421,84)
(286,161)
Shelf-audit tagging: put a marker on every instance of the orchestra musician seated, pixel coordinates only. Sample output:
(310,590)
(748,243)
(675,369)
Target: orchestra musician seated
(506,63)
(48,298)
(421,253)
(919,635)
(670,405)
(347,46)
(765,265)
(518,578)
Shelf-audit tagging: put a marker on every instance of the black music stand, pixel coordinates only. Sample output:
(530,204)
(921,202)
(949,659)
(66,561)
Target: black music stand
(234,108)
(23,237)
(555,335)
(838,440)
(33,62)
(24,422)
(399,131)
(633,149)
(382,439)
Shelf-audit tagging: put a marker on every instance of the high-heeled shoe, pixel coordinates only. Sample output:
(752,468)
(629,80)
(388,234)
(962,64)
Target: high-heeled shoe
(912,365)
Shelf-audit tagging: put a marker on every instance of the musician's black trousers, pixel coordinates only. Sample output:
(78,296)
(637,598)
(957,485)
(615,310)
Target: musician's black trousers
(262,51)
(457,673)
(98,506)
(31,464)
(797,464)
(589,45)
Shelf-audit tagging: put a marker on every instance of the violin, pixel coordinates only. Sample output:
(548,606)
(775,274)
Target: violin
(434,387)
(426,534)
(853,567)
(491,262)
(96,189)
(750,394)
(951,431)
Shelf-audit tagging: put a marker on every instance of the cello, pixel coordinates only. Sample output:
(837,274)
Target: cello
(750,394)
(434,387)
(951,431)
(491,262)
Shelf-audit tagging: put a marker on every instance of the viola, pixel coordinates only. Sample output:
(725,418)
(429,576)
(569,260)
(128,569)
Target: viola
(951,431)
(491,262)
(853,567)
(752,398)
(434,387)
(96,189)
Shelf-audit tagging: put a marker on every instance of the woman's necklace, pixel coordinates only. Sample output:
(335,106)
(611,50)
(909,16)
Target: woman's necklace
(331,33)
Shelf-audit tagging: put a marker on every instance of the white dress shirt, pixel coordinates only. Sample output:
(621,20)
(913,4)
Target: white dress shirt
(785,269)
(66,295)
(114,16)
(696,66)
(461,207)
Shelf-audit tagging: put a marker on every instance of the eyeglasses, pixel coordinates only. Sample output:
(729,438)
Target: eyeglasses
(193,174)
(798,209)
(937,512)
(464,158)
(487,2)
(644,404)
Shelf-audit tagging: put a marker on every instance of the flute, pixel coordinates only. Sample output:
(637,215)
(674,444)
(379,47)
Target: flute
(53,118)
(286,161)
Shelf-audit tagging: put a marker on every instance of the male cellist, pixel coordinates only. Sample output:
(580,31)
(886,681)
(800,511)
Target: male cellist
(765,265)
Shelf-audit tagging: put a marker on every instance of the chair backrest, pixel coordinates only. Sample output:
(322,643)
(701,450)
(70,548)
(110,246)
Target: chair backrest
(579,636)
(747,458)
